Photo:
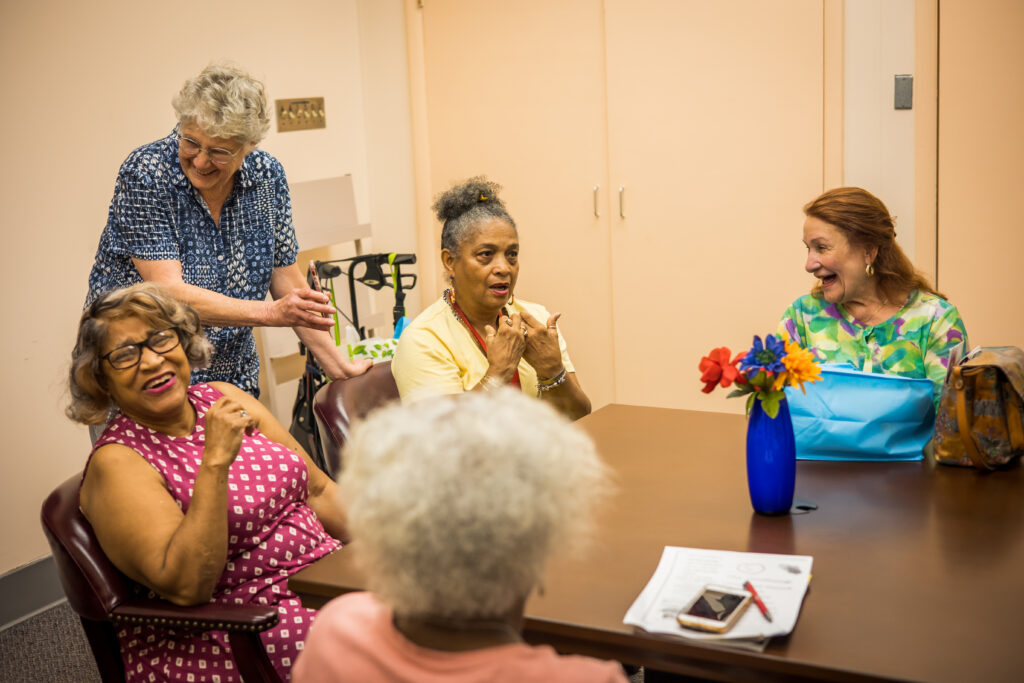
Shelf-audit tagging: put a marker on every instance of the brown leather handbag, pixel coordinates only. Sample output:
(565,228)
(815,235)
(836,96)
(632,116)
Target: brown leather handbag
(980,421)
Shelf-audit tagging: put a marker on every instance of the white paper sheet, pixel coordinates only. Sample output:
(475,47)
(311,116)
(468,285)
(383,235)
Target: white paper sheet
(780,580)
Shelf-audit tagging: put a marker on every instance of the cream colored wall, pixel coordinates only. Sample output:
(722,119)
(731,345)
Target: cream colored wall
(85,83)
(879,140)
(388,134)
(981,148)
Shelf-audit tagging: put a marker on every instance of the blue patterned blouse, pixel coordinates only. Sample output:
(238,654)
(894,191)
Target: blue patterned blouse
(156,214)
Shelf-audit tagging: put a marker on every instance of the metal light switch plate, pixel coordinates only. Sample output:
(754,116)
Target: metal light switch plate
(904,98)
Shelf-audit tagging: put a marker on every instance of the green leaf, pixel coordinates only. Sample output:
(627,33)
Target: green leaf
(770,402)
(741,390)
(750,402)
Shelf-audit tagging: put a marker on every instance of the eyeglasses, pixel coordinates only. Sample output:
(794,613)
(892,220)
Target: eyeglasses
(189,148)
(129,355)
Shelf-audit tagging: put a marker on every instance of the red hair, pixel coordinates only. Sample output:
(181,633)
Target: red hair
(866,223)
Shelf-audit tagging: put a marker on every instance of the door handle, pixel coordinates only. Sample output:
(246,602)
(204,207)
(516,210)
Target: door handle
(622,200)
(596,213)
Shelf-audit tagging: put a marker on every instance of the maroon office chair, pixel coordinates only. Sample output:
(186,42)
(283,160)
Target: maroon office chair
(104,598)
(343,401)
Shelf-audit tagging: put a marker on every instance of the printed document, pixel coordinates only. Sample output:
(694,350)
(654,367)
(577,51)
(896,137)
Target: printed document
(780,580)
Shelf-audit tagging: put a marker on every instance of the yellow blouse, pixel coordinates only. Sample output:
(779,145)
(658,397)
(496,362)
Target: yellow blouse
(438,355)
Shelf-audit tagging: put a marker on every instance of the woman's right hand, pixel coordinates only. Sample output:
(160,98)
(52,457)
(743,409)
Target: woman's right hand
(226,424)
(301,307)
(505,347)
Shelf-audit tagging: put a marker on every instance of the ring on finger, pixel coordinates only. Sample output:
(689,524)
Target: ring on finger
(508,321)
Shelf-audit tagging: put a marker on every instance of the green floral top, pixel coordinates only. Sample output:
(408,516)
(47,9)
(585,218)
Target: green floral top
(913,343)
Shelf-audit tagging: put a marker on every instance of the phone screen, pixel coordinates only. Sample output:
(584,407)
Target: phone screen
(715,605)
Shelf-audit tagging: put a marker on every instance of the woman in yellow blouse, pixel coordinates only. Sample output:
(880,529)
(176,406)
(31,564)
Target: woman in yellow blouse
(478,335)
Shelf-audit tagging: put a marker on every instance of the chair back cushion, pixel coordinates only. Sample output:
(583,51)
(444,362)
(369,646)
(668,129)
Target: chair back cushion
(93,585)
(342,401)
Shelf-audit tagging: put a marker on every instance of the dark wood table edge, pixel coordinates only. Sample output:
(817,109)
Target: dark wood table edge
(673,655)
(716,663)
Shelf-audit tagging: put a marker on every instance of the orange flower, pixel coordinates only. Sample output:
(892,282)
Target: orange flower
(800,366)
(716,368)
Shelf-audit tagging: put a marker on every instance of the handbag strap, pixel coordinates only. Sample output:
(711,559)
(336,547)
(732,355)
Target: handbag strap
(964,422)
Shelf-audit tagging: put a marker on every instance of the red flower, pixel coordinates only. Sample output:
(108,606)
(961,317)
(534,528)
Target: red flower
(716,368)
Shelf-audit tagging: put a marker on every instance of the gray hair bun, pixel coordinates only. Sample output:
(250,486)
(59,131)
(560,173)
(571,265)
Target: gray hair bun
(465,197)
(462,208)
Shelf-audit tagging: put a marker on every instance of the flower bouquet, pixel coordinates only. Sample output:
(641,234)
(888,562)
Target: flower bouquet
(762,372)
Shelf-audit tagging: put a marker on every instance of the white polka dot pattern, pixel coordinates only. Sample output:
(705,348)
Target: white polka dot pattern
(272,534)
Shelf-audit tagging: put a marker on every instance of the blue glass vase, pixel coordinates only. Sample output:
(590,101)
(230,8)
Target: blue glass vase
(771,460)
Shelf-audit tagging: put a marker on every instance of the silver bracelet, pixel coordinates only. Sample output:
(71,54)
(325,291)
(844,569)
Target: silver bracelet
(549,384)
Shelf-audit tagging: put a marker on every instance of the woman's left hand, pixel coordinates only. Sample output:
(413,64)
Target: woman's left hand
(542,348)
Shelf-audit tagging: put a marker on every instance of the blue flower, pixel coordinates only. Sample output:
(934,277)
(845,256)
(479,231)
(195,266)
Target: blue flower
(767,356)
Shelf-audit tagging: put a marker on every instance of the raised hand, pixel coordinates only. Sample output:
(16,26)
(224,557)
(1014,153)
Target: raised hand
(303,307)
(505,346)
(226,423)
(542,349)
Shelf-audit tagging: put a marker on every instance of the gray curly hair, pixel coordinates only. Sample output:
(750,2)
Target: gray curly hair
(225,102)
(90,403)
(464,207)
(457,503)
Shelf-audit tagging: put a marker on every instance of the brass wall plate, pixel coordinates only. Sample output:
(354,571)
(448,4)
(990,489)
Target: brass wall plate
(300,114)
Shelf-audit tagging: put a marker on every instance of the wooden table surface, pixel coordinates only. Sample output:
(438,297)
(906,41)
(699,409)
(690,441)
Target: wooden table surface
(918,568)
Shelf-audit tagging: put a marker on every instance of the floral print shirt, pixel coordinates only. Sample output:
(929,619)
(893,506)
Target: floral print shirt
(157,215)
(913,343)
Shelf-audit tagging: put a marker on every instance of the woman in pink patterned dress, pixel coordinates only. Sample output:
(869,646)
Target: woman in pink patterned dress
(196,492)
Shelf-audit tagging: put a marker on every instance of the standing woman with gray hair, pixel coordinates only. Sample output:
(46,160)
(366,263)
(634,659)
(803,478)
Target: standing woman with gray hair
(206,214)
(479,336)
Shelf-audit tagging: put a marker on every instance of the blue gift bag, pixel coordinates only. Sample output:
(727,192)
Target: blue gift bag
(855,415)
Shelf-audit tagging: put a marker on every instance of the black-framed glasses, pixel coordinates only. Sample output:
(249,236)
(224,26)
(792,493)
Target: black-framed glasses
(129,355)
(190,148)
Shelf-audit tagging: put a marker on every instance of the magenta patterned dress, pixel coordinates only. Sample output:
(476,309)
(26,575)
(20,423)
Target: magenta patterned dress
(273,533)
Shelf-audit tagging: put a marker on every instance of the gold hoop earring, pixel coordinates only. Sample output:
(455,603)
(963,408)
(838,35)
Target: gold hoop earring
(511,299)
(869,269)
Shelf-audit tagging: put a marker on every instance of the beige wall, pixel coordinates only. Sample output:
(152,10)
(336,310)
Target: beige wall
(85,83)
(981,166)
(879,140)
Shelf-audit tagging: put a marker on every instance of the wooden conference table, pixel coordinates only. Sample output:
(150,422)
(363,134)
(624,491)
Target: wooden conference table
(918,568)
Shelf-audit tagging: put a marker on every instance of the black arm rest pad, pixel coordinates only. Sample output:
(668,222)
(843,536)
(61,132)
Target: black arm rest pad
(209,617)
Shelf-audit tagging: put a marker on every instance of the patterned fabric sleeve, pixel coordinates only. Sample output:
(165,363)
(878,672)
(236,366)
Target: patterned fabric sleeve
(286,245)
(144,227)
(947,330)
(791,325)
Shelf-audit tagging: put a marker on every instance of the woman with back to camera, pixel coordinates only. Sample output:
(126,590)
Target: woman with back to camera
(479,335)
(207,214)
(195,492)
(870,307)
(455,506)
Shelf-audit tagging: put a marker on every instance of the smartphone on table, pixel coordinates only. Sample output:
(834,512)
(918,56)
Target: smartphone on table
(715,608)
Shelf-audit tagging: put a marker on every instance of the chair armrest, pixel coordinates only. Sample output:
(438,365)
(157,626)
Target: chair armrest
(208,617)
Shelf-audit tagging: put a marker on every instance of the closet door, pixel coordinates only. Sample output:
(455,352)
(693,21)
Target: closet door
(715,134)
(516,91)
